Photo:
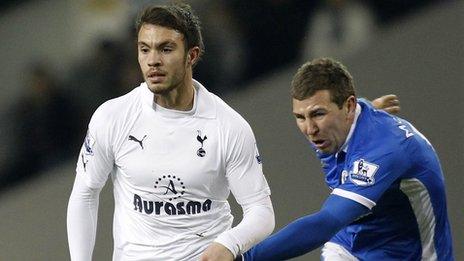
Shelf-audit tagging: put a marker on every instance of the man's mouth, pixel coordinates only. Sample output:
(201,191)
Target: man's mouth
(320,144)
(156,77)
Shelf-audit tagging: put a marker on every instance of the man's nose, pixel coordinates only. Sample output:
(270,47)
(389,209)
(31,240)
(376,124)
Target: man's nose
(154,59)
(311,128)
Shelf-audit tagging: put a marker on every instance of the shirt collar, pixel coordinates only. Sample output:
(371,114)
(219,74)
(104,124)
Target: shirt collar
(344,147)
(204,104)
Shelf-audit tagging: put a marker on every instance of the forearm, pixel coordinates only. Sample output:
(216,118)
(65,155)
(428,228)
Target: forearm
(258,222)
(82,220)
(297,238)
(309,232)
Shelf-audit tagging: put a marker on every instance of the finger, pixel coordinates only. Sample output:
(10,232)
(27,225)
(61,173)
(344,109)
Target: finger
(394,102)
(393,109)
(389,97)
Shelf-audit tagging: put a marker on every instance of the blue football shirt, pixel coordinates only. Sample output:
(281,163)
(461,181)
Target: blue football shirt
(391,168)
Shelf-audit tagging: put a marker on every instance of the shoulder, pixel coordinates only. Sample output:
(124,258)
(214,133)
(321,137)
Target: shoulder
(378,135)
(213,107)
(229,118)
(381,129)
(383,141)
(117,109)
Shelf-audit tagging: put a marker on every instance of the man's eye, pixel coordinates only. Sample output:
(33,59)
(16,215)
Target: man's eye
(167,50)
(318,114)
(144,50)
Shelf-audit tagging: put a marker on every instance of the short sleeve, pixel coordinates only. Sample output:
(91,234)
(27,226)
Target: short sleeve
(243,168)
(368,176)
(96,158)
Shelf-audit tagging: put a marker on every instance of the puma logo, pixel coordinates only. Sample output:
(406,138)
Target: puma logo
(140,142)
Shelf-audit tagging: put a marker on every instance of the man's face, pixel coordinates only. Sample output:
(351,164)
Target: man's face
(322,122)
(162,58)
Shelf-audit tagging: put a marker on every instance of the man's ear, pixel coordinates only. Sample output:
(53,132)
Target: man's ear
(193,55)
(351,105)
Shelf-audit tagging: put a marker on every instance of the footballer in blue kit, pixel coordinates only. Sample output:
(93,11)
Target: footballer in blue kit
(388,197)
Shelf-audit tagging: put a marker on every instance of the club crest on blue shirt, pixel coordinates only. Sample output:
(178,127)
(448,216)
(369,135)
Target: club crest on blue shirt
(363,173)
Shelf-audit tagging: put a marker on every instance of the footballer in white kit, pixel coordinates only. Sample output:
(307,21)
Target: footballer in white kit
(173,172)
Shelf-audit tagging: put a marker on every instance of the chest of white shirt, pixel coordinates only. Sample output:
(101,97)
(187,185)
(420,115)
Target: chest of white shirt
(188,150)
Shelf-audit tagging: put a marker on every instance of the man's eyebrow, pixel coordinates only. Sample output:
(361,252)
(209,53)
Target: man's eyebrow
(315,110)
(167,42)
(158,45)
(142,43)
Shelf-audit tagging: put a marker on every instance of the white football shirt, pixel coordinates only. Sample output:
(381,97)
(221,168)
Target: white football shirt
(172,171)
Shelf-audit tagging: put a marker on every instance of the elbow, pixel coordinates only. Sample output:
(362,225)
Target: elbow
(271,225)
(262,219)
(268,220)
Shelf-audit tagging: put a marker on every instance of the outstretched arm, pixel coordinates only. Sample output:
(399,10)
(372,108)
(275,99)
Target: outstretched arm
(309,232)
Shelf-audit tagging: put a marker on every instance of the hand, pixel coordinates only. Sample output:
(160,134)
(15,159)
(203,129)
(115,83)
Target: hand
(217,252)
(388,103)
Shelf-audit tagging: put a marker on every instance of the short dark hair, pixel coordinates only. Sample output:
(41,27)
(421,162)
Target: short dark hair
(179,17)
(323,74)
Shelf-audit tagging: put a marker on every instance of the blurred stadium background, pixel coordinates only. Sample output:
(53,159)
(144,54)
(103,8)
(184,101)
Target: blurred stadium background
(60,59)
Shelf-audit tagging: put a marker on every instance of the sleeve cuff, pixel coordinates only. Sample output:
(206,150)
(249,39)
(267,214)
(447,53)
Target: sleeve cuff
(227,240)
(355,197)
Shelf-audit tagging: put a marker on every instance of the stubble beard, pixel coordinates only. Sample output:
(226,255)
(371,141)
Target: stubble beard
(161,90)
(165,87)
(172,83)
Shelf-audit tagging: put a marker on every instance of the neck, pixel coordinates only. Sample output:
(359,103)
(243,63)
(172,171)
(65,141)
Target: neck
(179,98)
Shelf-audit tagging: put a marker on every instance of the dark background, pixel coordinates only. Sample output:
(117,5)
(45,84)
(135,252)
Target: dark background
(52,82)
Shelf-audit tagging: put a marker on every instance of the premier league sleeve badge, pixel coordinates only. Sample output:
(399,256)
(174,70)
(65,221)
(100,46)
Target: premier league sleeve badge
(363,173)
